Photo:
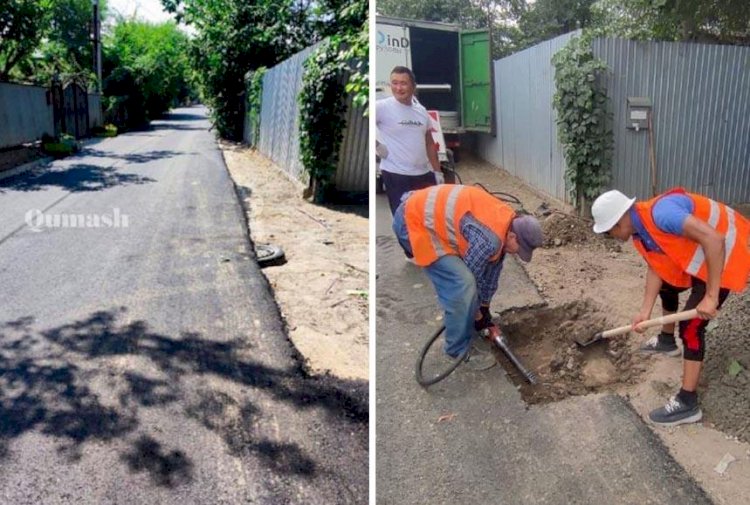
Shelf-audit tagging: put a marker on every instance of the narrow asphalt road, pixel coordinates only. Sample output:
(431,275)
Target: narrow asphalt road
(143,360)
(472,439)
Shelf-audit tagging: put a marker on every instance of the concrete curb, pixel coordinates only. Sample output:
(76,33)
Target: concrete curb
(46,160)
(25,167)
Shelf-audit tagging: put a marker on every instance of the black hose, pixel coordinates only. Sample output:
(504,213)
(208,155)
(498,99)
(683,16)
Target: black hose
(500,195)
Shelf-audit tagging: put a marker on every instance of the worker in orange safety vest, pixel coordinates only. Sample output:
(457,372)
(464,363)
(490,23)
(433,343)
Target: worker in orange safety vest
(460,236)
(689,242)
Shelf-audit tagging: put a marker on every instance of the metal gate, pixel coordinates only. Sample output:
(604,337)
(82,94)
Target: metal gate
(71,109)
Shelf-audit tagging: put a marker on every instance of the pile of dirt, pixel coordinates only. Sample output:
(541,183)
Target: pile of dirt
(545,341)
(562,229)
(726,377)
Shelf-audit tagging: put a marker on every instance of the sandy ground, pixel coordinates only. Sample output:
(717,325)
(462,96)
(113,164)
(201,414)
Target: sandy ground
(322,289)
(591,281)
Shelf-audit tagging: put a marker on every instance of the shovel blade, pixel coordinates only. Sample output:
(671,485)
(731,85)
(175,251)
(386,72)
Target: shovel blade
(585,343)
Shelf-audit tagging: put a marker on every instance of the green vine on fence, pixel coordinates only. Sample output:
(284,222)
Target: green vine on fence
(254,103)
(336,69)
(583,121)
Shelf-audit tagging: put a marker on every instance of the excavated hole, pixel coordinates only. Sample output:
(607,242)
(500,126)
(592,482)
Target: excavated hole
(544,340)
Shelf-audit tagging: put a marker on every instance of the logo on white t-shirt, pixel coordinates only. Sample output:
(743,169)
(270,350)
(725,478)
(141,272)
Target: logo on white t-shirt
(410,122)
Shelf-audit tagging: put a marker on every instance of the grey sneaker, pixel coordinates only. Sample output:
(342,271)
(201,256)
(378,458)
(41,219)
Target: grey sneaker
(675,412)
(478,359)
(654,346)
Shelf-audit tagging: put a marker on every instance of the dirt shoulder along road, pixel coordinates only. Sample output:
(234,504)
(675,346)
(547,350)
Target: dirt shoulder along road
(591,283)
(322,289)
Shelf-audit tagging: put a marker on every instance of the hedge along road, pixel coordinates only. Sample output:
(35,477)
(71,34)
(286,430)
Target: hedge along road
(144,360)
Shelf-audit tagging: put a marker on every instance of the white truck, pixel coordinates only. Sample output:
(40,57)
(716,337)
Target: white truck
(453,70)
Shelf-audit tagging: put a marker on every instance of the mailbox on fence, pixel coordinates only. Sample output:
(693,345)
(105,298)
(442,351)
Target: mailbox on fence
(639,108)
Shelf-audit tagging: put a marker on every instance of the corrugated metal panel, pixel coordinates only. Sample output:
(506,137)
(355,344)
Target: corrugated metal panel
(279,117)
(701,97)
(526,143)
(279,128)
(701,113)
(352,171)
(25,114)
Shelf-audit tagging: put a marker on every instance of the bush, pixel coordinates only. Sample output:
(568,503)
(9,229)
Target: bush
(108,130)
(62,146)
(339,67)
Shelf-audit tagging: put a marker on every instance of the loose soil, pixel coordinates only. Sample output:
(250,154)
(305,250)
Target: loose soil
(726,377)
(545,341)
(562,229)
(322,287)
(588,280)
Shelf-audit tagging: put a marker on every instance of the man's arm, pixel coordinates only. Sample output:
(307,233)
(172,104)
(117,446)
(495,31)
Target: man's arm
(712,243)
(431,151)
(492,276)
(483,245)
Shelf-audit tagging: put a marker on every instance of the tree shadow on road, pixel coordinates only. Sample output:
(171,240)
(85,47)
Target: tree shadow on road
(76,178)
(54,381)
(167,468)
(182,116)
(136,157)
(171,125)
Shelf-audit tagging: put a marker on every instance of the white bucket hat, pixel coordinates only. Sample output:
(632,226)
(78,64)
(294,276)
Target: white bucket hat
(608,209)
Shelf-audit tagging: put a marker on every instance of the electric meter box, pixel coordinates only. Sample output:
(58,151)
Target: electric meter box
(639,108)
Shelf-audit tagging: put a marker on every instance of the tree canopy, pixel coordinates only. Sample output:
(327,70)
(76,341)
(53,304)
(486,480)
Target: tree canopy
(718,21)
(145,70)
(517,24)
(234,37)
(41,38)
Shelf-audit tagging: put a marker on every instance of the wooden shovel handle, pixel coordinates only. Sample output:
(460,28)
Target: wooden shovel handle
(657,321)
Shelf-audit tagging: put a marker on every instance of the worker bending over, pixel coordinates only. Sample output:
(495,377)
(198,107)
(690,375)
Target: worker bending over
(460,235)
(689,242)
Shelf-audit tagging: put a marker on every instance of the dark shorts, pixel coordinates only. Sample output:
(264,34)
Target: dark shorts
(692,331)
(396,185)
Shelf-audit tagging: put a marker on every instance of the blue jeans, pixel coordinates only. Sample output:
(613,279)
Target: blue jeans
(456,290)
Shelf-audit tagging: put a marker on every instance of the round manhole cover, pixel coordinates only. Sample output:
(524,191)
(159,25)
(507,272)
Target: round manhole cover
(268,254)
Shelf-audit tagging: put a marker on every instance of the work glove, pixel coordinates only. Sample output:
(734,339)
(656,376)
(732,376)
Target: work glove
(381,150)
(439,177)
(485,321)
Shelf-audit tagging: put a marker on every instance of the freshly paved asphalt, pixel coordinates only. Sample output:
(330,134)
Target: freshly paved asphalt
(490,447)
(147,363)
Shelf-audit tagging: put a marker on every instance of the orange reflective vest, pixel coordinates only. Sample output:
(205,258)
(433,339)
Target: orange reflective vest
(433,219)
(683,257)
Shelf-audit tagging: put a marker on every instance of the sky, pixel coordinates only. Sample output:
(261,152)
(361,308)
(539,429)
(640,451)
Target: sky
(148,10)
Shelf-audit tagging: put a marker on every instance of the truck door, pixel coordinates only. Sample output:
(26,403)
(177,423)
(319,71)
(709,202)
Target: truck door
(393,48)
(476,81)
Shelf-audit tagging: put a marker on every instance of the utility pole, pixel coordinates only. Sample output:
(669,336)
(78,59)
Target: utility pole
(97,36)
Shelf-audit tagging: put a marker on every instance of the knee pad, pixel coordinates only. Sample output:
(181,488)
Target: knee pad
(692,334)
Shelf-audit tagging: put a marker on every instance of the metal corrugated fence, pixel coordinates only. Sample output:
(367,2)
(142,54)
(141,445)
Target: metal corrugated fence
(279,114)
(25,114)
(352,171)
(526,143)
(701,114)
(279,128)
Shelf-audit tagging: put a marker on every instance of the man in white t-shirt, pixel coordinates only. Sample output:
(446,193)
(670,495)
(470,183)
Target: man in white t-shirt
(411,160)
